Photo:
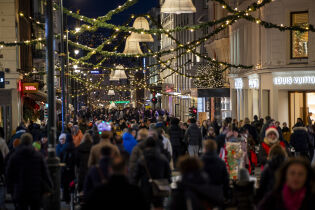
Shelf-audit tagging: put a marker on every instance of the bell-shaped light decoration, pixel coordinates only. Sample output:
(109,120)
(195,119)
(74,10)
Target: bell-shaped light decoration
(132,47)
(111,93)
(120,73)
(141,23)
(112,76)
(178,7)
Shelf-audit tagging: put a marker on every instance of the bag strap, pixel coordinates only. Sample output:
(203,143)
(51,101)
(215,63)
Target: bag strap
(100,173)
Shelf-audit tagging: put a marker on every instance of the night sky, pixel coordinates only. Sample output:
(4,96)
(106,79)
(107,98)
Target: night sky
(95,8)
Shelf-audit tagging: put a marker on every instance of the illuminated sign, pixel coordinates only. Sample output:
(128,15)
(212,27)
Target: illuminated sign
(30,87)
(2,81)
(96,71)
(120,102)
(238,83)
(253,83)
(295,80)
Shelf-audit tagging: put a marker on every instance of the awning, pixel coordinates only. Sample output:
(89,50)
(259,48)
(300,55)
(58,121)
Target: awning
(214,92)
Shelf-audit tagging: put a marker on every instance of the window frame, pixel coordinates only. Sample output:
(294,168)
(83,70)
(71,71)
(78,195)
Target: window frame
(291,34)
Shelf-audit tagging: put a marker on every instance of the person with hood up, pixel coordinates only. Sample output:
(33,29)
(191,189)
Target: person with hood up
(177,139)
(193,138)
(194,190)
(301,141)
(271,138)
(82,158)
(129,141)
(20,130)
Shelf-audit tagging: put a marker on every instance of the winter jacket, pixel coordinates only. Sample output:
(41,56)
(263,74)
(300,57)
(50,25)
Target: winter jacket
(129,142)
(158,167)
(265,149)
(268,177)
(193,135)
(274,201)
(67,157)
(135,156)
(27,174)
(220,139)
(81,160)
(116,194)
(195,190)
(300,140)
(17,135)
(252,131)
(77,138)
(216,171)
(244,195)
(176,136)
(94,179)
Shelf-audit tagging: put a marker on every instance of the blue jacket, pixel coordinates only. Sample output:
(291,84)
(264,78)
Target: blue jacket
(129,142)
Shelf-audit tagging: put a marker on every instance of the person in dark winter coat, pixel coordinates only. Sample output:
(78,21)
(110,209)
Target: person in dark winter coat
(99,174)
(82,158)
(177,139)
(264,128)
(294,188)
(44,144)
(193,138)
(117,193)
(26,175)
(301,142)
(215,167)
(194,190)
(276,158)
(67,157)
(251,130)
(158,167)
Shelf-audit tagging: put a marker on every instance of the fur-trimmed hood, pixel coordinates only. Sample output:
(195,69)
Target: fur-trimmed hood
(300,128)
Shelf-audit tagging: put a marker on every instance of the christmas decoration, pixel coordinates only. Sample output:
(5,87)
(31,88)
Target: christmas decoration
(209,75)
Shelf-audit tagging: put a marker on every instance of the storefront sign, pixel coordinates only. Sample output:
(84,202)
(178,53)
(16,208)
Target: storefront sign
(253,83)
(296,80)
(30,87)
(96,71)
(120,102)
(238,83)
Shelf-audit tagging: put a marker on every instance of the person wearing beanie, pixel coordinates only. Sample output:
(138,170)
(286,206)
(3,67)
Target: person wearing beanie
(271,138)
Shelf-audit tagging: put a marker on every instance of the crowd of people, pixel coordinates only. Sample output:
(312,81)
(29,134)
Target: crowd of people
(144,159)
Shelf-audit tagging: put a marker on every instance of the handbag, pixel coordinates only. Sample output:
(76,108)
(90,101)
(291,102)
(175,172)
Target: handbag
(160,187)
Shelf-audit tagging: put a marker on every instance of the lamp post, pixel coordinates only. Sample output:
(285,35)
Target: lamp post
(62,63)
(53,201)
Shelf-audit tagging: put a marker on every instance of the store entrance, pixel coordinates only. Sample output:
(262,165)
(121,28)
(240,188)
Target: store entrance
(301,105)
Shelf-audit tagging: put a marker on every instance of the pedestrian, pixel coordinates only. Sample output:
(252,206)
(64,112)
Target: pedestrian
(76,135)
(251,130)
(138,149)
(215,167)
(98,174)
(211,134)
(61,145)
(204,129)
(264,128)
(194,190)
(3,145)
(294,188)
(82,158)
(177,139)
(286,132)
(152,165)
(117,193)
(27,176)
(95,154)
(276,159)
(301,141)
(129,140)
(193,138)
(272,138)
(67,157)
(44,143)
(20,130)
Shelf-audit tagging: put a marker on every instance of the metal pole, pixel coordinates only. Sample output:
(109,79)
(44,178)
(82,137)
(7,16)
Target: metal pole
(53,201)
(62,63)
(67,78)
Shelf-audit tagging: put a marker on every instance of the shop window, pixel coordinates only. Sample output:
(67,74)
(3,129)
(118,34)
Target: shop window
(299,40)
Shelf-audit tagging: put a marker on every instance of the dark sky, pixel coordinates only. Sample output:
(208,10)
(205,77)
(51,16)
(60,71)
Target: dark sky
(95,8)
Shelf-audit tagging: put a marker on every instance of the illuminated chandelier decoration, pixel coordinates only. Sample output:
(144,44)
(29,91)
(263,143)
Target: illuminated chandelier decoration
(178,7)
(112,76)
(132,47)
(111,93)
(119,73)
(141,23)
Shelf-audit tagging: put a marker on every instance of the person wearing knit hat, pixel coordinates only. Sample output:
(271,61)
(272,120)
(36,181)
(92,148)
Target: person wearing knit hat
(36,146)
(271,138)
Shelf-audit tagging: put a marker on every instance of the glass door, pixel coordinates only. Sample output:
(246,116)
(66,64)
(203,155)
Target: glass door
(296,107)
(310,100)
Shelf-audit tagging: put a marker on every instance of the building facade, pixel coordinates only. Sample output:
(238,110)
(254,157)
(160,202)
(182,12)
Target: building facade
(282,82)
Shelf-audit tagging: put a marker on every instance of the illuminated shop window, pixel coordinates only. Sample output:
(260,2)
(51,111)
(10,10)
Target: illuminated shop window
(299,40)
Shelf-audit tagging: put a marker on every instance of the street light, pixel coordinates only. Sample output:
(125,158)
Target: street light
(76,52)
(77,29)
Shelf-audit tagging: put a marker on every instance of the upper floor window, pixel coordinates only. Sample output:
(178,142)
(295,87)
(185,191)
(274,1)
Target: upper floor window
(299,40)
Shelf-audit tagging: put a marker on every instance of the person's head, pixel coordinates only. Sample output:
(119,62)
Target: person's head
(209,146)
(277,151)
(106,151)
(118,140)
(37,146)
(299,120)
(87,138)
(255,117)
(246,121)
(142,134)
(150,143)
(154,134)
(174,121)
(192,120)
(62,138)
(272,134)
(26,139)
(204,123)
(106,135)
(277,123)
(296,173)
(118,166)
(284,125)
(134,133)
(267,118)
(187,164)
(75,130)
(211,131)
